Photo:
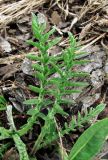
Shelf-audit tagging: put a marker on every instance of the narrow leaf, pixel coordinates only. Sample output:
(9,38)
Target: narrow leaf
(53,42)
(48,34)
(35,27)
(31,101)
(37,67)
(35,89)
(35,44)
(78,74)
(81,62)
(76,84)
(34,57)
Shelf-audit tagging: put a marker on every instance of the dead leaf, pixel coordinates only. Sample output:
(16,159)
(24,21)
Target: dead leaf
(11,154)
(55,18)
(5,45)
(85,30)
(8,70)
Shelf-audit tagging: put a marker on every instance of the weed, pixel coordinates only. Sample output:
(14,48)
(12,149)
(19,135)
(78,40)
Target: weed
(54,74)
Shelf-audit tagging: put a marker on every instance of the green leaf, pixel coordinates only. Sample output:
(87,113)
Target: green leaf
(40,76)
(4,133)
(35,89)
(78,74)
(81,62)
(21,147)
(98,109)
(81,55)
(31,101)
(75,84)
(34,57)
(3,149)
(35,44)
(66,101)
(53,43)
(48,34)
(90,142)
(35,27)
(2,103)
(37,67)
(59,110)
(72,40)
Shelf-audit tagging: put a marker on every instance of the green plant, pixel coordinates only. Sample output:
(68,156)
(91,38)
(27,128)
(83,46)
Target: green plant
(54,74)
(90,141)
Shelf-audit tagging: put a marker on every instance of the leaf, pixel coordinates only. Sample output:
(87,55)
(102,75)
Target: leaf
(35,27)
(48,34)
(59,110)
(34,57)
(78,74)
(90,142)
(4,133)
(35,44)
(21,147)
(66,101)
(35,89)
(98,109)
(31,101)
(10,118)
(2,103)
(76,84)
(72,40)
(53,42)
(40,76)
(3,149)
(81,62)
(37,67)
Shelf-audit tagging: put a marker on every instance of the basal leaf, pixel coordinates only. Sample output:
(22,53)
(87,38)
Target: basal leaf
(90,141)
(21,147)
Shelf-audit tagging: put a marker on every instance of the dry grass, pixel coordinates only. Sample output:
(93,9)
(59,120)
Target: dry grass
(11,11)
